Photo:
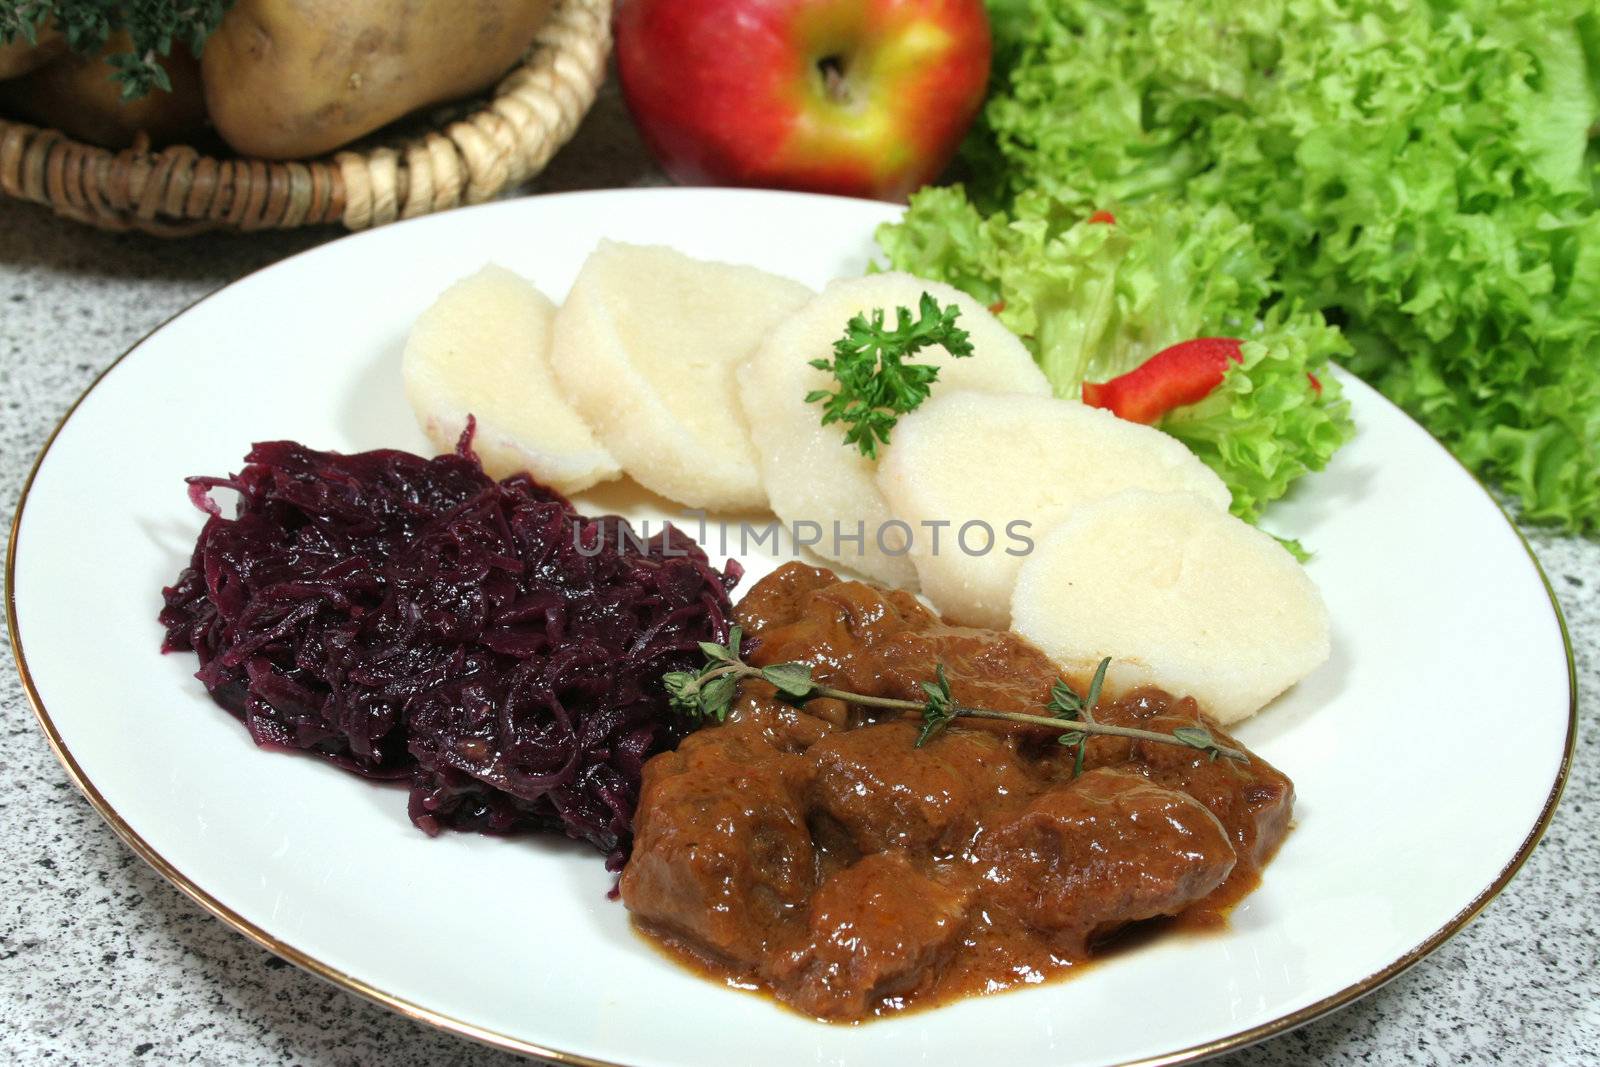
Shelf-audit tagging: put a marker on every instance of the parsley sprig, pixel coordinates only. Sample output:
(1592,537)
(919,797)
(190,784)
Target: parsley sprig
(876,384)
(707,696)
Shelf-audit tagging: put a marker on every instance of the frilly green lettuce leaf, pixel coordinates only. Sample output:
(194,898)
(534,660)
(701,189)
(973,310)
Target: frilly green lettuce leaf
(1424,171)
(949,240)
(1092,301)
(1268,424)
(1097,300)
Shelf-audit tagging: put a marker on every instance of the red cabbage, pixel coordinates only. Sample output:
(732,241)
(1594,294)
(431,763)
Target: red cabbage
(410,618)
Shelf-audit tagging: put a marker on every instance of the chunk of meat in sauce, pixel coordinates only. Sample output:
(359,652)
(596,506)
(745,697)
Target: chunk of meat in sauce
(883,642)
(1253,801)
(878,927)
(721,852)
(819,852)
(887,793)
(1110,849)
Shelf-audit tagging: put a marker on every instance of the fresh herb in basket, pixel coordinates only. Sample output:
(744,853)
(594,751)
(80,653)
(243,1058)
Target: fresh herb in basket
(274,79)
(88,25)
(175,116)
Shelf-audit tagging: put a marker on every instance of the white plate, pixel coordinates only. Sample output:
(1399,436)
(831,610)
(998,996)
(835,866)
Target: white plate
(1428,754)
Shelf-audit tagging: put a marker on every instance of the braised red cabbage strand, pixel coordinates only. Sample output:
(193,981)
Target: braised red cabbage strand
(410,618)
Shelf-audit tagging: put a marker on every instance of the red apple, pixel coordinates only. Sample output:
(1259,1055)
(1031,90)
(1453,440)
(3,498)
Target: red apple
(859,97)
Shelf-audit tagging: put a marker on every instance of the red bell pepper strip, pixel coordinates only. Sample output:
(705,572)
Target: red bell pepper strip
(1183,374)
(1103,216)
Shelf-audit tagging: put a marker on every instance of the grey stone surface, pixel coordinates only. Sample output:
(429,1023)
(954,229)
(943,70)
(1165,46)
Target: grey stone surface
(102,961)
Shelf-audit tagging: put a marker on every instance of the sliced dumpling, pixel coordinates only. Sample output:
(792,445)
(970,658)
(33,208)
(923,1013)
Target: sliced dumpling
(812,476)
(646,345)
(992,474)
(1180,595)
(483,349)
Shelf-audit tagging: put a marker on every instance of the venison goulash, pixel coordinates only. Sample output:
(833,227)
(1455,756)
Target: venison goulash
(817,852)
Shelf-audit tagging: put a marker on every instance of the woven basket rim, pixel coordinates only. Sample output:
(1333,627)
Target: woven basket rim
(495,141)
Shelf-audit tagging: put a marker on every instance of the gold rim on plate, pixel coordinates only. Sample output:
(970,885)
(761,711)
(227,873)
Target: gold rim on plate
(461,1028)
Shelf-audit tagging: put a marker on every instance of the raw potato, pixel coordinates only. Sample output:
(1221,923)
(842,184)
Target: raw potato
(75,94)
(19,57)
(1180,596)
(483,349)
(286,79)
(966,457)
(810,474)
(646,345)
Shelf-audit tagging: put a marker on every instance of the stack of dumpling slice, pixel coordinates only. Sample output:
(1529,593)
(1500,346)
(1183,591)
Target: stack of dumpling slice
(811,475)
(483,349)
(1090,535)
(633,374)
(1133,553)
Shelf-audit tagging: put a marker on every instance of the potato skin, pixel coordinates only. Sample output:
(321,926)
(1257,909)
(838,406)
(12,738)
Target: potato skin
(75,94)
(287,79)
(19,57)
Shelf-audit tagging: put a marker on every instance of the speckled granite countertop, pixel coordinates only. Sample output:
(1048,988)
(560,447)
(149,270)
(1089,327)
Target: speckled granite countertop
(102,961)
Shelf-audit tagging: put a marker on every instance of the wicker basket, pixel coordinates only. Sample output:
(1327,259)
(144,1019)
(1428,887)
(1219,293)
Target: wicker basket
(471,155)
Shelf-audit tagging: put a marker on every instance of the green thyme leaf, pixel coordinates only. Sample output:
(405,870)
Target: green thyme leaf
(940,709)
(716,652)
(1198,737)
(938,690)
(683,693)
(716,697)
(1065,702)
(933,723)
(1081,740)
(1095,685)
(708,694)
(791,679)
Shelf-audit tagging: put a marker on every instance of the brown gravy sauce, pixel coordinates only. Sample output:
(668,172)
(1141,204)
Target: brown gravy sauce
(819,856)
(1202,919)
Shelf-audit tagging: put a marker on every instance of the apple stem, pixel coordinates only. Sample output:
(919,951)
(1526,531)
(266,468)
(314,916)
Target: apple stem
(831,68)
